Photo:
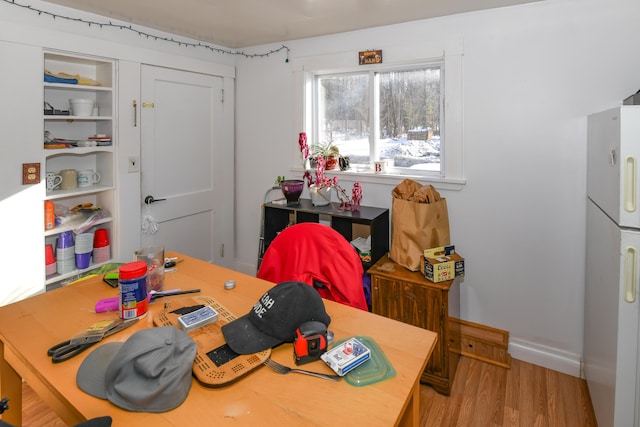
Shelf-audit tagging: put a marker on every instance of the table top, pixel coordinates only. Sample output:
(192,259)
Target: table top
(386,267)
(29,327)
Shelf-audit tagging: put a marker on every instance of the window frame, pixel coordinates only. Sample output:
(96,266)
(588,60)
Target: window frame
(374,108)
(448,53)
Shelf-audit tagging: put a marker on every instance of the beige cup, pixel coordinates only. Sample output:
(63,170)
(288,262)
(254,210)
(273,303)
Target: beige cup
(69,179)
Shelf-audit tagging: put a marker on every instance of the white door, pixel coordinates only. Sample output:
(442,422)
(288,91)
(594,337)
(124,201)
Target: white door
(181,119)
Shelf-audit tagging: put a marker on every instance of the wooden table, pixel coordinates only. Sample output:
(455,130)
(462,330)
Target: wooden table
(263,397)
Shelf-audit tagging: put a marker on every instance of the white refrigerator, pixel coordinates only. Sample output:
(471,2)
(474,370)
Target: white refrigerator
(610,355)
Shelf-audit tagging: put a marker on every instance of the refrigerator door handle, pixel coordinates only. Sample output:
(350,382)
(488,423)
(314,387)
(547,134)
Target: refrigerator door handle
(630,274)
(630,184)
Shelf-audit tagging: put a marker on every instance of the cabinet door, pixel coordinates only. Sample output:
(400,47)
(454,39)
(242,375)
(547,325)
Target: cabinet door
(416,305)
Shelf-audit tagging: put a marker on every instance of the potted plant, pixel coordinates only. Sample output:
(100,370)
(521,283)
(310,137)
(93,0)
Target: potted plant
(320,187)
(291,189)
(329,152)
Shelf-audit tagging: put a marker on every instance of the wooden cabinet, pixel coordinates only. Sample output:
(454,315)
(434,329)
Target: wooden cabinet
(369,221)
(407,296)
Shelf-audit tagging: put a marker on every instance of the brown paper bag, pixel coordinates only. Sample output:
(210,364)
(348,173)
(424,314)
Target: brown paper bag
(417,225)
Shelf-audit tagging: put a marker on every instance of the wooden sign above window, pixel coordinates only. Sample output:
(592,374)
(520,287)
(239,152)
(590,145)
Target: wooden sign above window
(370,57)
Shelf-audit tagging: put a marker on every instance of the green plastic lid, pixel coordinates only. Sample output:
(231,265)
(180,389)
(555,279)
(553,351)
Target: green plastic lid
(376,369)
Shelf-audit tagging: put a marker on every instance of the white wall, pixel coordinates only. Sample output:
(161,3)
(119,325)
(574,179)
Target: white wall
(532,74)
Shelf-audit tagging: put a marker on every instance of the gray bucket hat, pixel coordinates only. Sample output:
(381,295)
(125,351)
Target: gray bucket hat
(149,372)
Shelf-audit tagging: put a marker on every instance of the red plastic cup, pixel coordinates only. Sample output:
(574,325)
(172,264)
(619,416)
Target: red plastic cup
(49,257)
(100,238)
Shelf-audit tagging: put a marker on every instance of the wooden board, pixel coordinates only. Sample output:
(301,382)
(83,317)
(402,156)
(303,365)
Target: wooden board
(482,342)
(208,338)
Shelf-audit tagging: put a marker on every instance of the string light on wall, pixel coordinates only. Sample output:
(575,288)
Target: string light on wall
(153,36)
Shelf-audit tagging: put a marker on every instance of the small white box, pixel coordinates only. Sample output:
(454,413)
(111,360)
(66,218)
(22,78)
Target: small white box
(196,319)
(346,356)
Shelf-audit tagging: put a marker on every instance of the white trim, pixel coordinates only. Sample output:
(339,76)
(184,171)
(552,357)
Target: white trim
(548,357)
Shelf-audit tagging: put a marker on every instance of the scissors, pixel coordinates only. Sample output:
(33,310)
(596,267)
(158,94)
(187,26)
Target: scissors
(85,339)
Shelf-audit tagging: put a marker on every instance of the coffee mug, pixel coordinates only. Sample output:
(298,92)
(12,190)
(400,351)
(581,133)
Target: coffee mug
(88,177)
(53,181)
(69,179)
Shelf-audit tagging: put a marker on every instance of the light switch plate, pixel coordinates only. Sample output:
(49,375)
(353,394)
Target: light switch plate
(30,173)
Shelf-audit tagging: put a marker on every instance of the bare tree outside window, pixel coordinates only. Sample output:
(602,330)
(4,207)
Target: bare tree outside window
(406,114)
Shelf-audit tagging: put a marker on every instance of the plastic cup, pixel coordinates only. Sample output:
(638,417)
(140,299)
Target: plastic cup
(51,269)
(83,260)
(65,239)
(101,254)
(65,253)
(49,256)
(100,238)
(65,265)
(84,243)
(154,257)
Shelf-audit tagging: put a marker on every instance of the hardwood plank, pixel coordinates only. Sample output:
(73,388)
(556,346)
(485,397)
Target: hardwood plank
(484,395)
(35,412)
(466,414)
(511,410)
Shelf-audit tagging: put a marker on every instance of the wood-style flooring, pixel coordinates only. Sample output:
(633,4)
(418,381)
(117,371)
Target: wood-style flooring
(483,395)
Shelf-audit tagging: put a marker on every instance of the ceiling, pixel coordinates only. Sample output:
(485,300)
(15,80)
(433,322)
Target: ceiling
(242,23)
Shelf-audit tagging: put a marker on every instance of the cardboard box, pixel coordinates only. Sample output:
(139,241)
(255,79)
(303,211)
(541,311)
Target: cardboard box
(442,263)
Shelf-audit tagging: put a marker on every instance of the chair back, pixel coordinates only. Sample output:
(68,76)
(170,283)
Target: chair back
(319,256)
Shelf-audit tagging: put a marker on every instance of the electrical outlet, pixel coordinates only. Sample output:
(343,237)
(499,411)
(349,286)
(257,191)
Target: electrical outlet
(30,173)
(134,164)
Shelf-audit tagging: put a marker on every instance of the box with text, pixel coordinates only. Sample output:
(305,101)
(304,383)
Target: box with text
(442,263)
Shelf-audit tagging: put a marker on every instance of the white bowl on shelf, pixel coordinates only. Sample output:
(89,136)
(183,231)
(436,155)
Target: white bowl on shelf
(81,107)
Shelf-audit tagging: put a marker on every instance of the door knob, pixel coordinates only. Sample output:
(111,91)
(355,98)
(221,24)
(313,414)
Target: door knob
(149,199)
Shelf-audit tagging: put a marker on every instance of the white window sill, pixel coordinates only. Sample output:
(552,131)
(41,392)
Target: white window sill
(438,182)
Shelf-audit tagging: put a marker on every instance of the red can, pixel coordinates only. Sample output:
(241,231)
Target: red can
(132,280)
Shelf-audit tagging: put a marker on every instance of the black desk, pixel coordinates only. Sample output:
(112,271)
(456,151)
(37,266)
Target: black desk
(368,221)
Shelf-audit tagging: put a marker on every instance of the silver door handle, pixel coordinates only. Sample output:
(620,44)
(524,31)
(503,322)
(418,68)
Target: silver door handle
(149,199)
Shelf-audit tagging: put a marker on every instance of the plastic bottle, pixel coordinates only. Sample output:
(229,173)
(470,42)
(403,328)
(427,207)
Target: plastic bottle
(132,281)
(49,215)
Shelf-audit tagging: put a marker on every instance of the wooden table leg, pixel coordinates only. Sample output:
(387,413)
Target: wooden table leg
(411,415)
(11,388)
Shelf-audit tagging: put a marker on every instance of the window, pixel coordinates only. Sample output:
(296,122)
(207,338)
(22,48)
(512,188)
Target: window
(406,111)
(392,115)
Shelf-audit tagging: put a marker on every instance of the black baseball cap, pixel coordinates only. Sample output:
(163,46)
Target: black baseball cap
(273,320)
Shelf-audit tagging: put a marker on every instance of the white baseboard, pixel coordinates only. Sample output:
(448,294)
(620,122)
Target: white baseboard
(547,357)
